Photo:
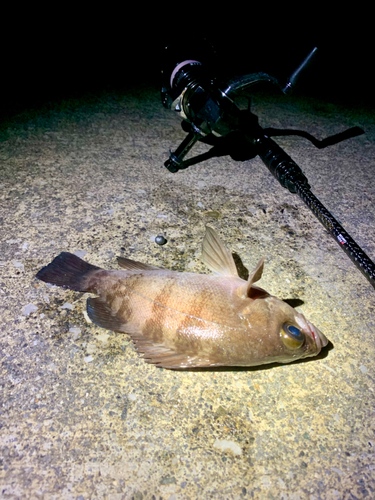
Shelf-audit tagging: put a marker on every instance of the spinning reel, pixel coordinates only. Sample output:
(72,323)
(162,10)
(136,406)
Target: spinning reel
(206,104)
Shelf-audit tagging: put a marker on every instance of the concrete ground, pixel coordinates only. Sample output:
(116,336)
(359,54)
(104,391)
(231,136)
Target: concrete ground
(82,415)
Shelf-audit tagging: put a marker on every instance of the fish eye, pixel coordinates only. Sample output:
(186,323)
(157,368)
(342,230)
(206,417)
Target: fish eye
(292,336)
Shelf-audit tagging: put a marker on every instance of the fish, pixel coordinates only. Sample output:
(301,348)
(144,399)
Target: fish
(182,320)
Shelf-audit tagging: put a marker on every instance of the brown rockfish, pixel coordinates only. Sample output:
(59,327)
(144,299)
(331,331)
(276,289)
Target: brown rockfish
(185,320)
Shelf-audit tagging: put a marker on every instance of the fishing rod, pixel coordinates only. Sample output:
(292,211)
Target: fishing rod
(206,104)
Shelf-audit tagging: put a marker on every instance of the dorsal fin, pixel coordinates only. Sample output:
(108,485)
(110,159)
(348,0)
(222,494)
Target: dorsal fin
(133,265)
(247,289)
(216,256)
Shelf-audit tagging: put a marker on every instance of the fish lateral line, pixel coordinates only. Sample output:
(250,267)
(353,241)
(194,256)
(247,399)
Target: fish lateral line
(160,304)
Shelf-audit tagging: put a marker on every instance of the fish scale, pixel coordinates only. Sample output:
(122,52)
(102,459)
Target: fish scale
(187,320)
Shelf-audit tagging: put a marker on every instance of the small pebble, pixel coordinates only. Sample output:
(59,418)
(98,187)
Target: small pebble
(88,359)
(91,348)
(75,330)
(225,445)
(67,305)
(160,240)
(19,265)
(103,337)
(30,308)
(80,253)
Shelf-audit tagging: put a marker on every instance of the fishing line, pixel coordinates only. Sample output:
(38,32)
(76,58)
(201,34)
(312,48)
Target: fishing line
(206,104)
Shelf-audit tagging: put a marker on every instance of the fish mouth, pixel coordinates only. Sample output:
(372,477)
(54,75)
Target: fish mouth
(319,337)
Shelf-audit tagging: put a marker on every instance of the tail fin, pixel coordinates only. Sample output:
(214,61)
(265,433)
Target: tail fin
(69,271)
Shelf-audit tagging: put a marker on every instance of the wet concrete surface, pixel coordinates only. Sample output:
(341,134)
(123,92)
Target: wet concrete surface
(82,415)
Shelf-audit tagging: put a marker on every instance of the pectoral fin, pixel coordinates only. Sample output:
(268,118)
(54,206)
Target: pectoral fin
(157,353)
(216,256)
(248,290)
(101,314)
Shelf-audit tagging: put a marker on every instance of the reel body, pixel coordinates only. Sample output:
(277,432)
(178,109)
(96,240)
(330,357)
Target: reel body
(206,104)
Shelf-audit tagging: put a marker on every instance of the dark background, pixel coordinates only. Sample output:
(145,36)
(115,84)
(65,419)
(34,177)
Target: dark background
(49,57)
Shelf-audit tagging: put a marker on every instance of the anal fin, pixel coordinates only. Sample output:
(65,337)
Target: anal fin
(164,357)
